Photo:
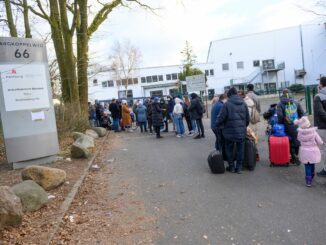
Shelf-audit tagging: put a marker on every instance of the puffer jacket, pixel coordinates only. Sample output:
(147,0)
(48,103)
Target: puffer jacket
(234,119)
(141,111)
(196,108)
(309,149)
(320,109)
(157,115)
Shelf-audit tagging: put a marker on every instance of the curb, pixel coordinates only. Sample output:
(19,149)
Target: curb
(71,195)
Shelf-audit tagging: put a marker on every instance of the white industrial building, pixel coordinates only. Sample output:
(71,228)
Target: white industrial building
(270,60)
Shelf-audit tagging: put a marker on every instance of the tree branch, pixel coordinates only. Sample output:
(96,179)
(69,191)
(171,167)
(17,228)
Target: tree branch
(102,15)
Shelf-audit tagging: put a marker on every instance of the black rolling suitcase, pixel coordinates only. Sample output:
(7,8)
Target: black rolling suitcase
(216,162)
(250,151)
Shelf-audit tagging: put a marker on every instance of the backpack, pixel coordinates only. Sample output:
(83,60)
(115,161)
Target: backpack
(203,108)
(291,112)
(254,114)
(278,130)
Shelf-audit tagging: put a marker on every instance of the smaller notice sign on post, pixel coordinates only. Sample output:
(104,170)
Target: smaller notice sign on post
(196,83)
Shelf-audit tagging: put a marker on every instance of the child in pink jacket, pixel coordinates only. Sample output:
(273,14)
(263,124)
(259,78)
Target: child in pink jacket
(309,152)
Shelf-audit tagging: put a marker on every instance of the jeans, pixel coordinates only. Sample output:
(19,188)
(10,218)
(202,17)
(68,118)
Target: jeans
(179,124)
(116,124)
(218,139)
(200,126)
(193,125)
(309,169)
(229,148)
(171,116)
(143,126)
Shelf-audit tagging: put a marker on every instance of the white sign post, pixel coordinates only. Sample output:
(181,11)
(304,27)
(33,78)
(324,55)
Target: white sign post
(197,83)
(26,107)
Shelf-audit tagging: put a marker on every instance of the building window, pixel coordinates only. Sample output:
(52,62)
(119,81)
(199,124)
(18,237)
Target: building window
(118,83)
(124,82)
(135,80)
(123,95)
(129,81)
(149,79)
(240,65)
(160,78)
(105,84)
(154,78)
(206,73)
(174,76)
(168,76)
(211,72)
(95,82)
(110,83)
(256,63)
(143,79)
(225,67)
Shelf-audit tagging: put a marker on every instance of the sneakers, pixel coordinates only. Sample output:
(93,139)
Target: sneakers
(178,136)
(197,137)
(322,173)
(191,134)
(308,181)
(203,135)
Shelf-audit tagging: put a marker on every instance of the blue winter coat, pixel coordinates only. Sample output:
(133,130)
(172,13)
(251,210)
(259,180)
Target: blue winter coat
(216,108)
(141,111)
(234,119)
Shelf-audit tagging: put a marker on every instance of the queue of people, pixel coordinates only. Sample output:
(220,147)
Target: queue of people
(234,117)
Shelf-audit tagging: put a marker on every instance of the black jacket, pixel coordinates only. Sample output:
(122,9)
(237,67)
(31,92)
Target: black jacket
(157,115)
(320,109)
(114,109)
(196,108)
(290,128)
(234,119)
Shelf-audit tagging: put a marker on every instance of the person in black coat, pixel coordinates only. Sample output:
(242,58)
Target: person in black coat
(157,117)
(165,112)
(197,110)
(148,104)
(234,119)
(115,114)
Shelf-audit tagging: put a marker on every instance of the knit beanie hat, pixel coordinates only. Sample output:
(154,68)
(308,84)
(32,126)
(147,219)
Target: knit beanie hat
(303,122)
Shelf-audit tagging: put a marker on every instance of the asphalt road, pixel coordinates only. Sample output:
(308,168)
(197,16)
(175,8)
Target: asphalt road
(193,206)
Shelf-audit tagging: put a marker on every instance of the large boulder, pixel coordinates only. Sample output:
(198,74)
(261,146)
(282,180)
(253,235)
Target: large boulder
(100,131)
(92,133)
(48,178)
(32,196)
(82,147)
(76,135)
(11,210)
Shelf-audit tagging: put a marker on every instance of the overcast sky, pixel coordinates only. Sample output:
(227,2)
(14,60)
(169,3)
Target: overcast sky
(161,37)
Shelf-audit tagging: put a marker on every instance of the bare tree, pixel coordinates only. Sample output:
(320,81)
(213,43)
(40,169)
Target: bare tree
(125,58)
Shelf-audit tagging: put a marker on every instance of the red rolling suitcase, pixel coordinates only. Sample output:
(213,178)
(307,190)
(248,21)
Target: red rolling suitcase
(279,150)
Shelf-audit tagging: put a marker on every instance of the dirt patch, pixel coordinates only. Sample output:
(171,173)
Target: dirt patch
(106,210)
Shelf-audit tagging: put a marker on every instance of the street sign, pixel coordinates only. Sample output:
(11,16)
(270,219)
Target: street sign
(26,107)
(196,83)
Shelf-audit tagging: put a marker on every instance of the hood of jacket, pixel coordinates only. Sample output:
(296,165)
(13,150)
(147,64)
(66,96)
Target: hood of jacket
(322,94)
(236,99)
(286,100)
(307,135)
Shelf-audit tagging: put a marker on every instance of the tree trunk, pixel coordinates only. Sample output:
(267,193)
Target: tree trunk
(59,50)
(69,56)
(82,55)
(28,33)
(11,24)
